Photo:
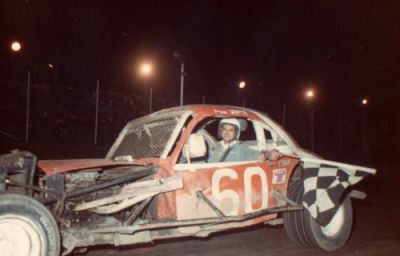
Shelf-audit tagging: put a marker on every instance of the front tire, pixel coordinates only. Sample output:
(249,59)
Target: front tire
(304,230)
(27,227)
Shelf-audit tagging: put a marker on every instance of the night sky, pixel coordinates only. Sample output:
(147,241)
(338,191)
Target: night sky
(345,50)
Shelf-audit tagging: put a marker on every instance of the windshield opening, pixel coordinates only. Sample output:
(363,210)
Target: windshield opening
(145,137)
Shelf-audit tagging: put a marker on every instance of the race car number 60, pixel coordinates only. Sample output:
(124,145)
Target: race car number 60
(233,196)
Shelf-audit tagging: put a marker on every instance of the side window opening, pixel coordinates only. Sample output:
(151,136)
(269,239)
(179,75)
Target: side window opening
(268,135)
(208,128)
(269,140)
(248,135)
(274,141)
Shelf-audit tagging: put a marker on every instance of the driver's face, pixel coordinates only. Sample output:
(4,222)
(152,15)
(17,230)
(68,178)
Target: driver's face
(228,132)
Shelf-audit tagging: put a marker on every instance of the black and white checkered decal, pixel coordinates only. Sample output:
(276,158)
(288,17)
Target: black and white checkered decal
(324,186)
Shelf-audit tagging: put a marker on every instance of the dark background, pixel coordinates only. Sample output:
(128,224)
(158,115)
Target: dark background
(344,50)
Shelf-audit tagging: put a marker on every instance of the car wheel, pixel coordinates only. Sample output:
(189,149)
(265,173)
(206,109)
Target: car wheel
(304,230)
(27,227)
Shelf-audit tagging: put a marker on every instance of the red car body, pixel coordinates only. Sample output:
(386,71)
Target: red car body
(181,194)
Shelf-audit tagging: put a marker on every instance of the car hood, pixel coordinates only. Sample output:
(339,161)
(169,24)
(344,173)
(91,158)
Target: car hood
(60,166)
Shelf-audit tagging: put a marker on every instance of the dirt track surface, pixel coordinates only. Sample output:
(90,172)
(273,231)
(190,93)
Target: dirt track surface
(376,231)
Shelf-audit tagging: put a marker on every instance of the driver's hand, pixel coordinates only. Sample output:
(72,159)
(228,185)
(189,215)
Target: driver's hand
(272,155)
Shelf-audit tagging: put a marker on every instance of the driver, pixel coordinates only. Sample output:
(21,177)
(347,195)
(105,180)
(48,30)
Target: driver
(230,149)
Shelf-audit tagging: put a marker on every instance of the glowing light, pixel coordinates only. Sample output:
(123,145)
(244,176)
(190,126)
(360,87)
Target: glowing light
(364,101)
(15,46)
(242,84)
(146,69)
(310,94)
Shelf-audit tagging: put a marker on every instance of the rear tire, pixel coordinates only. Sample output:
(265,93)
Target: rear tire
(301,228)
(27,227)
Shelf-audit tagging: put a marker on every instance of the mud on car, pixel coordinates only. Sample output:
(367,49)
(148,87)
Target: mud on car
(156,183)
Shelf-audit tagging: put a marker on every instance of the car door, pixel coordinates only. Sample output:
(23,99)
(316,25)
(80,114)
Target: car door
(233,188)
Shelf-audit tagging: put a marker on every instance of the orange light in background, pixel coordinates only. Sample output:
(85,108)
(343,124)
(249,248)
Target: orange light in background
(16,46)
(242,84)
(310,94)
(146,69)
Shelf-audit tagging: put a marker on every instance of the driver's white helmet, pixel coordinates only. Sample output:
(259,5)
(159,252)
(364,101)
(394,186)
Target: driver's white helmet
(231,121)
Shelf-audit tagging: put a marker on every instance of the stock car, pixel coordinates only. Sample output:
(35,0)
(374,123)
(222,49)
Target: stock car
(156,183)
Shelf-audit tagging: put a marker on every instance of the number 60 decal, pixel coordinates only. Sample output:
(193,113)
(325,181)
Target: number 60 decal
(233,196)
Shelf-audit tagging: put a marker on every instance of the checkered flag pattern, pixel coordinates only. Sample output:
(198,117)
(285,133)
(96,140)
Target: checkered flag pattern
(324,186)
